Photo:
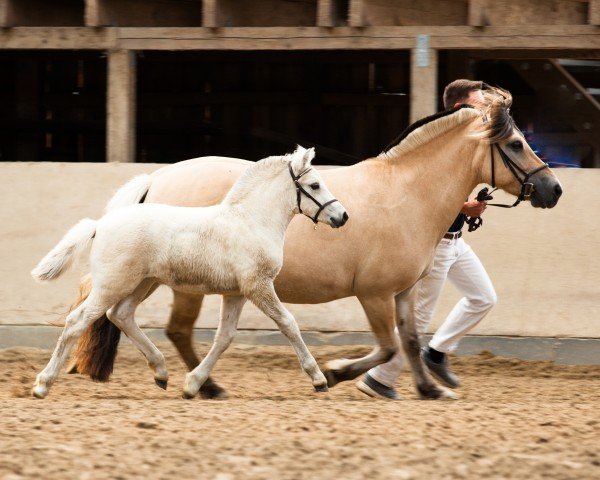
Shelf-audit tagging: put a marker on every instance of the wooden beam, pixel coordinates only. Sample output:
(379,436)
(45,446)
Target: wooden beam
(325,11)
(423,79)
(95,14)
(210,13)
(120,118)
(531,37)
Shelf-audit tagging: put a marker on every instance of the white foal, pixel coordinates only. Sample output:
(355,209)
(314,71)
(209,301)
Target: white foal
(234,249)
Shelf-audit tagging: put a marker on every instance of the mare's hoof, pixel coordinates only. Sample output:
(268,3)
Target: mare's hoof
(72,369)
(437,393)
(213,392)
(332,380)
(321,388)
(161,383)
(187,395)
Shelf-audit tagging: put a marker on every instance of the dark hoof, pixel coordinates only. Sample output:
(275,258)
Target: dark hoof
(321,388)
(72,369)
(332,380)
(161,383)
(213,392)
(187,396)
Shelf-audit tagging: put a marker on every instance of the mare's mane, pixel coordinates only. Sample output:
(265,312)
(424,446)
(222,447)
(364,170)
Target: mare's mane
(494,110)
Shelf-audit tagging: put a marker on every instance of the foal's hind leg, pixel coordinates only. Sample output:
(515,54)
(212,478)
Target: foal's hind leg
(267,301)
(231,308)
(122,315)
(77,321)
(427,388)
(180,330)
(380,312)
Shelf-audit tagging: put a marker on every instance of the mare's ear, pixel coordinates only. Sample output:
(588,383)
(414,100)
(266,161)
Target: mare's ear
(302,158)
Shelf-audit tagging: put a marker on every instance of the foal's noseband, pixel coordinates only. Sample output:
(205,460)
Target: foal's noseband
(526,185)
(300,189)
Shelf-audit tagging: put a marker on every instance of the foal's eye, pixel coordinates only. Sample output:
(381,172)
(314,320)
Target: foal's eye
(315,186)
(517,145)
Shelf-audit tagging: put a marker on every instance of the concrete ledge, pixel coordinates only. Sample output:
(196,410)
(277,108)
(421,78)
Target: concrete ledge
(567,351)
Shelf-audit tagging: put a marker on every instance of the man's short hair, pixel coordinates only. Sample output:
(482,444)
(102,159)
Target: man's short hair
(458,91)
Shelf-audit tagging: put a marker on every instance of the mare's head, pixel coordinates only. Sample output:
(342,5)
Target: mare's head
(511,162)
(313,198)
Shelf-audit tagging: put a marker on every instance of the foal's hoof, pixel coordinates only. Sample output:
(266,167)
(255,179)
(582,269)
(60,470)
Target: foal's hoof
(161,383)
(187,395)
(213,392)
(39,391)
(321,388)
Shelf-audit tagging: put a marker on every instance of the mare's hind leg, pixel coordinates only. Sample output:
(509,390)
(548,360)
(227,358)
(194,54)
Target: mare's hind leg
(231,308)
(76,323)
(380,312)
(267,301)
(184,313)
(427,388)
(122,315)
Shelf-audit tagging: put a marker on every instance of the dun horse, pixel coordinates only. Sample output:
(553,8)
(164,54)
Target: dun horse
(234,249)
(402,202)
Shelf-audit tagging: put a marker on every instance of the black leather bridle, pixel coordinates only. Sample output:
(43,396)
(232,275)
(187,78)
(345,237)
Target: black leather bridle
(300,189)
(526,186)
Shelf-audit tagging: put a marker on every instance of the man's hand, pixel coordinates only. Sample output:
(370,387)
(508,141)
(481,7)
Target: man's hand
(473,208)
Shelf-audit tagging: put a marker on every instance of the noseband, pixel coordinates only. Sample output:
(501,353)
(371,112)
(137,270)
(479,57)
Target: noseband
(526,186)
(300,190)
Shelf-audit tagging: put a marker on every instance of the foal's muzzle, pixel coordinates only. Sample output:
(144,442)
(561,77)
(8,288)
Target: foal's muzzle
(337,222)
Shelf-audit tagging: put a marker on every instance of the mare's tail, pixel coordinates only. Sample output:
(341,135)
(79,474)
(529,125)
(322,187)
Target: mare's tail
(97,348)
(62,255)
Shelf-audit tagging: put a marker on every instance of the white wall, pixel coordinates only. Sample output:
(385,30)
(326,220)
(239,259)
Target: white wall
(544,263)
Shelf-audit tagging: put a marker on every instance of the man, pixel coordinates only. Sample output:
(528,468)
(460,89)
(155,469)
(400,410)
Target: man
(456,261)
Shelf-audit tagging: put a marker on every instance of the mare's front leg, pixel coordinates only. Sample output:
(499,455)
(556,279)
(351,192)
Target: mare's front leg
(123,316)
(380,313)
(180,330)
(405,318)
(265,298)
(231,308)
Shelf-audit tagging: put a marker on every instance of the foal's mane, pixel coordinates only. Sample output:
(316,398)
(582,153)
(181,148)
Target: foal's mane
(262,170)
(494,110)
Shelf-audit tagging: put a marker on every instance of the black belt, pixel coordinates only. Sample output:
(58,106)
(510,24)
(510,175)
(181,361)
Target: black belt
(452,236)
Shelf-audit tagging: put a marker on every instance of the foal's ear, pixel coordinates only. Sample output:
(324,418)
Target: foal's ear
(302,158)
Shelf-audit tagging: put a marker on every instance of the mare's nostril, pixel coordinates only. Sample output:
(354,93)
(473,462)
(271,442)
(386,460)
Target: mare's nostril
(345,217)
(558,190)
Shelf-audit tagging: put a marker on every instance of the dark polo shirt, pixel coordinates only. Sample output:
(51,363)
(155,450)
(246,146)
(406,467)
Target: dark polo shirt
(458,223)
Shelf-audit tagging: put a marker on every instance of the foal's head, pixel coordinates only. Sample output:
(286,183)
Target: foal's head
(514,162)
(313,198)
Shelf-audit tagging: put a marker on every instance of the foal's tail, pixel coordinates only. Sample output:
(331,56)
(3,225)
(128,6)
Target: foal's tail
(97,348)
(62,255)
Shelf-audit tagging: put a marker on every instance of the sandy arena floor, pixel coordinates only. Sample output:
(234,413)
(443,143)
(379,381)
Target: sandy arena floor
(515,419)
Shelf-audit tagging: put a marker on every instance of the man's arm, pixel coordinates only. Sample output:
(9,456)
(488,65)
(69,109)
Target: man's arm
(473,208)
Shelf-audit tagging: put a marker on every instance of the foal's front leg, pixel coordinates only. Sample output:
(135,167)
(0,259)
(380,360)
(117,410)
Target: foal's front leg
(267,301)
(231,308)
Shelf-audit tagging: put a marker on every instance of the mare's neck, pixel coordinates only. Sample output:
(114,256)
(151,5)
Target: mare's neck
(439,176)
(267,202)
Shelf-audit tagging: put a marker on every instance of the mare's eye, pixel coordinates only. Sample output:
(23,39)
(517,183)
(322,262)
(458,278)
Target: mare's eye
(315,186)
(517,145)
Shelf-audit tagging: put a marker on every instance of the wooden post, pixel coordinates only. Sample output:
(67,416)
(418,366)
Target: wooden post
(210,13)
(355,14)
(325,13)
(594,12)
(476,15)
(423,79)
(95,14)
(120,119)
